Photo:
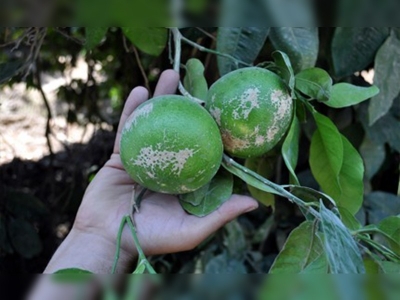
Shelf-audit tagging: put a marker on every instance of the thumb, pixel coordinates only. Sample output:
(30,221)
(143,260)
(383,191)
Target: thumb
(231,209)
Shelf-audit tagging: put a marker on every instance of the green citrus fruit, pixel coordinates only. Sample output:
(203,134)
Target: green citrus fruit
(253,109)
(171,145)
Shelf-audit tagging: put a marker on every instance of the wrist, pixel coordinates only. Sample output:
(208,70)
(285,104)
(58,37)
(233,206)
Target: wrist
(91,252)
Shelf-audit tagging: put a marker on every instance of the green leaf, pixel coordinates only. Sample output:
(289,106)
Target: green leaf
(285,69)
(195,82)
(235,240)
(24,238)
(210,197)
(391,227)
(224,264)
(243,43)
(310,195)
(326,153)
(374,155)
(385,130)
(351,180)
(349,220)
(315,83)
(71,275)
(380,205)
(345,94)
(387,78)
(248,176)
(388,267)
(342,252)
(354,48)
(300,43)
(94,35)
(264,166)
(290,149)
(302,248)
(10,69)
(150,40)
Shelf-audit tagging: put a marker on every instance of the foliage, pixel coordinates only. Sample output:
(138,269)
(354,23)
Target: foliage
(336,165)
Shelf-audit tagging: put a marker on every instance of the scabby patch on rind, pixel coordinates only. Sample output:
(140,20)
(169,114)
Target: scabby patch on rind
(142,111)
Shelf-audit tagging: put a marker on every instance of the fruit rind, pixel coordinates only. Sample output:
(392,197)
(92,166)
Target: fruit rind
(171,145)
(253,109)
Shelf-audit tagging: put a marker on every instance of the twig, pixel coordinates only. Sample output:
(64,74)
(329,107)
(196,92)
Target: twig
(74,39)
(139,62)
(206,33)
(47,105)
(204,49)
(118,249)
(177,63)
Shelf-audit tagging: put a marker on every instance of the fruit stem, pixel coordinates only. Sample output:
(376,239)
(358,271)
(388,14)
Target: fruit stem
(229,163)
(142,260)
(204,49)
(177,63)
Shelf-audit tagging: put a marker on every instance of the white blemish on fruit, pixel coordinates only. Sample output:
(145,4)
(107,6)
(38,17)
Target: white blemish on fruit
(216,113)
(143,111)
(152,159)
(283,102)
(247,102)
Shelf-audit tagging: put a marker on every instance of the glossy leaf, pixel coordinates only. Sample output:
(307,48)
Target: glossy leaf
(243,43)
(299,43)
(342,252)
(315,83)
(24,238)
(150,40)
(302,248)
(10,69)
(290,149)
(94,35)
(209,197)
(285,69)
(345,94)
(354,48)
(195,82)
(387,78)
(326,153)
(351,179)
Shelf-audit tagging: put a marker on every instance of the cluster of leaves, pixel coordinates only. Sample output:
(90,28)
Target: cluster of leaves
(349,221)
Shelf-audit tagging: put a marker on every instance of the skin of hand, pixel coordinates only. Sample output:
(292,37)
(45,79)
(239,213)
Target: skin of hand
(162,225)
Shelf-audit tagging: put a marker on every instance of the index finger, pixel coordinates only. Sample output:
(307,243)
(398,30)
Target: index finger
(137,96)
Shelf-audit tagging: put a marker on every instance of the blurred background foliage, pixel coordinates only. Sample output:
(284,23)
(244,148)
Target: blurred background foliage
(39,199)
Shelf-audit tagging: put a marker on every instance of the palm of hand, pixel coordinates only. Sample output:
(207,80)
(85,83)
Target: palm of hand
(162,225)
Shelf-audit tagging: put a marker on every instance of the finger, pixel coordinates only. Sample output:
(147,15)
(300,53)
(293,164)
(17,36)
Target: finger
(137,96)
(234,207)
(167,84)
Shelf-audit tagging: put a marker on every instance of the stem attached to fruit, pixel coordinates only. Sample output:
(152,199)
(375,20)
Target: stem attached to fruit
(177,64)
(228,163)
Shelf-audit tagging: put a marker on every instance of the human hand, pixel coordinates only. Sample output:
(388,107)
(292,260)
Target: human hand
(162,225)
